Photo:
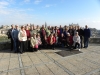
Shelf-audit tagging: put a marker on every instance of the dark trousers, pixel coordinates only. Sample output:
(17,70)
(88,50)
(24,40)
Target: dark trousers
(39,46)
(69,45)
(16,45)
(77,44)
(81,38)
(86,40)
(23,46)
(28,45)
(12,44)
(44,43)
(34,49)
(51,46)
(63,43)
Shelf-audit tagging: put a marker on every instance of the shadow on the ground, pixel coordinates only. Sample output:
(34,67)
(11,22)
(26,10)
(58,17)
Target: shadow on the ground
(65,53)
(61,51)
(6,51)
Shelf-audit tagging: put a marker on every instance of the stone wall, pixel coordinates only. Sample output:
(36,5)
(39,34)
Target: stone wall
(7,45)
(94,40)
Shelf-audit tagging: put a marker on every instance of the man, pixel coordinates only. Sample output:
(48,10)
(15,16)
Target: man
(81,34)
(87,34)
(61,30)
(16,41)
(43,36)
(10,36)
(28,37)
(71,31)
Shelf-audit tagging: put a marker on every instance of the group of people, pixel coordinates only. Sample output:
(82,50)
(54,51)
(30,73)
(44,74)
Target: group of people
(33,38)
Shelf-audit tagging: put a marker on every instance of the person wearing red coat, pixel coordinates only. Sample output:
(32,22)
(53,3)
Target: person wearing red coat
(51,40)
(28,37)
(57,31)
(69,40)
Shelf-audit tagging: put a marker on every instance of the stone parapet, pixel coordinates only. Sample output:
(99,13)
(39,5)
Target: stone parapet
(95,40)
(7,45)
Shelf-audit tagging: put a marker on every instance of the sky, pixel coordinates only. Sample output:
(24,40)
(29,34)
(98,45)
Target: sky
(53,12)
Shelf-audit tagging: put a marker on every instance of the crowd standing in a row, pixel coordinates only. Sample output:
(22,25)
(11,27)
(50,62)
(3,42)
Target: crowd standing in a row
(32,38)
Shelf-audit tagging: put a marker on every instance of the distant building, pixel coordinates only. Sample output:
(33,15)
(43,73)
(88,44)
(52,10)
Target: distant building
(74,24)
(45,25)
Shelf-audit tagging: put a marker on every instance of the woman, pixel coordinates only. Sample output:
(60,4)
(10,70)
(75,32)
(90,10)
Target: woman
(69,40)
(51,41)
(34,42)
(76,40)
(22,36)
(56,38)
(39,41)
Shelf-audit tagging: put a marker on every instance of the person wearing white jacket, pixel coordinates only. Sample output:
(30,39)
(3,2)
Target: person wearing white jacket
(34,43)
(76,39)
(22,36)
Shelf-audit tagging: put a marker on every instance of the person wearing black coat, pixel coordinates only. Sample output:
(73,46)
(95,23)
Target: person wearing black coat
(81,34)
(71,31)
(62,40)
(87,34)
(10,36)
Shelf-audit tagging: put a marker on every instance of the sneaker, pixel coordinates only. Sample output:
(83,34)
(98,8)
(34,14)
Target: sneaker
(79,49)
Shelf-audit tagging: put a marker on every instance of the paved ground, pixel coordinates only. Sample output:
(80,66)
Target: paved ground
(51,62)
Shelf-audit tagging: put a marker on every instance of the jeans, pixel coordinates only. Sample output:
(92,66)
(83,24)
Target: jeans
(86,40)
(16,45)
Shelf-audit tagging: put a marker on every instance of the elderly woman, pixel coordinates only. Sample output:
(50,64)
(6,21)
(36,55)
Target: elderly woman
(39,41)
(34,42)
(51,40)
(69,40)
(76,39)
(22,36)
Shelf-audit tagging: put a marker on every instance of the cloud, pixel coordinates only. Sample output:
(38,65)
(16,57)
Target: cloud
(96,21)
(3,4)
(11,1)
(26,1)
(37,1)
(16,16)
(48,5)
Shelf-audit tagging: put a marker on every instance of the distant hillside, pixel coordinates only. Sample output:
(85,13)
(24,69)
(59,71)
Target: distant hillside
(95,32)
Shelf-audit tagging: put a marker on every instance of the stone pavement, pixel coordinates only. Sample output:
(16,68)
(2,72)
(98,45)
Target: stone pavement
(51,62)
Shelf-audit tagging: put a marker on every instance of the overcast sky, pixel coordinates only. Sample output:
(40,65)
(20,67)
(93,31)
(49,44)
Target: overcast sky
(54,12)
